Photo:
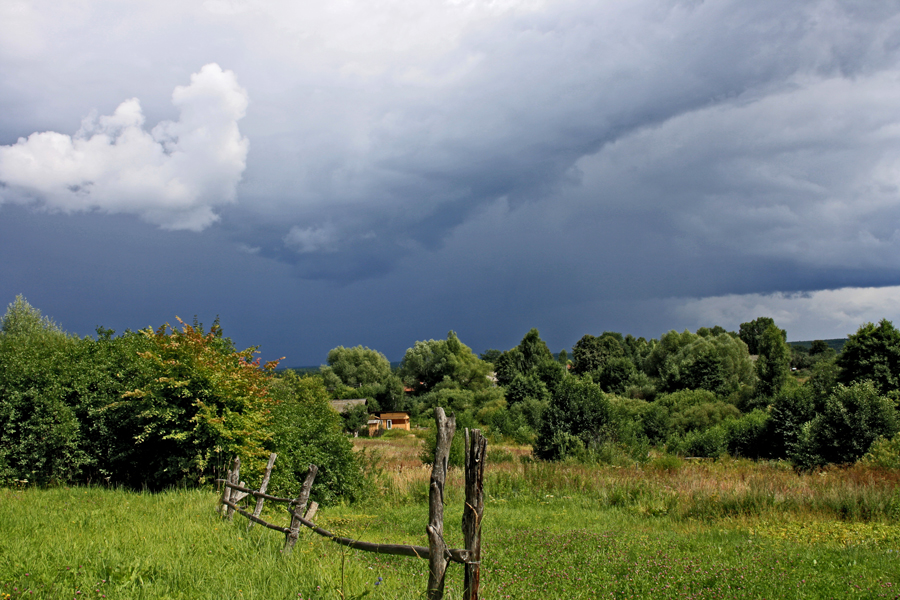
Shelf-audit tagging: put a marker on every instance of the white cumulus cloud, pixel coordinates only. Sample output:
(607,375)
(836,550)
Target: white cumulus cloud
(173,175)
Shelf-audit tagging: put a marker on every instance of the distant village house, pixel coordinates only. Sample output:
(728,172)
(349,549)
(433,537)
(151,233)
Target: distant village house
(388,420)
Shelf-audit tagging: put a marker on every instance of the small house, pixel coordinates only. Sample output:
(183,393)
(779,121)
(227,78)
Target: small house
(387,421)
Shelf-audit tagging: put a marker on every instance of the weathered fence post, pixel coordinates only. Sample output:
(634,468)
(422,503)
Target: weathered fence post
(299,508)
(262,489)
(437,560)
(233,477)
(476,452)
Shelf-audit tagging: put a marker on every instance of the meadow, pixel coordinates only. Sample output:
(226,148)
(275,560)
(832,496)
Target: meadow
(667,528)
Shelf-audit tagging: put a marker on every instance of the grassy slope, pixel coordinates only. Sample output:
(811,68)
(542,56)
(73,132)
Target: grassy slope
(565,532)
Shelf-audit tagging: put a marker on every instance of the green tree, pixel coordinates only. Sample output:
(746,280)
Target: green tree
(355,418)
(792,410)
(306,430)
(853,417)
(523,387)
(751,333)
(490,355)
(578,419)
(773,366)
(360,372)
(530,354)
(26,322)
(818,347)
(592,353)
(449,361)
(872,353)
(719,364)
(205,401)
(356,367)
(615,375)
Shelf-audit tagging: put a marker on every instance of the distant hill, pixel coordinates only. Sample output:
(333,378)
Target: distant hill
(837,345)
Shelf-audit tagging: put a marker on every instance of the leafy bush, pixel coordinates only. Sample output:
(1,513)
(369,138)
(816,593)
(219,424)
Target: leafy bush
(851,420)
(678,401)
(704,416)
(305,429)
(578,418)
(872,353)
(707,443)
(53,389)
(884,452)
(748,435)
(657,423)
(791,410)
(457,457)
(204,401)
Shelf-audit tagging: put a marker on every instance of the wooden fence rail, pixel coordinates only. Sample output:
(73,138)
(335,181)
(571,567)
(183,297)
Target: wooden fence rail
(437,554)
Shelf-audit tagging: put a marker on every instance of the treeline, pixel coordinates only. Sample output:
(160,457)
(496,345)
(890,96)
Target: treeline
(612,398)
(171,406)
(155,409)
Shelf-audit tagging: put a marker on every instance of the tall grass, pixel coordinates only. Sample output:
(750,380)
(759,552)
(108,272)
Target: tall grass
(98,543)
(665,529)
(708,489)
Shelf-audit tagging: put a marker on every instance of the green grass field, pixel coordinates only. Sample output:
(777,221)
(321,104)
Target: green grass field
(707,530)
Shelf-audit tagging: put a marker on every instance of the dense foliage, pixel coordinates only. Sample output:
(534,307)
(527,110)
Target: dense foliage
(154,409)
(172,406)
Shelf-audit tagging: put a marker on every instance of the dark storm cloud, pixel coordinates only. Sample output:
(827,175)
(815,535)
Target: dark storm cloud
(415,167)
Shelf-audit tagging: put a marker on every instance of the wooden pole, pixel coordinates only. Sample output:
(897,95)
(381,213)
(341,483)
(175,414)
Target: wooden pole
(476,451)
(262,490)
(311,513)
(300,508)
(437,560)
(226,491)
(234,476)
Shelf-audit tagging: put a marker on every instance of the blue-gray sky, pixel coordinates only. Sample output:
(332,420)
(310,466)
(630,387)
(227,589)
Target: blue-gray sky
(340,173)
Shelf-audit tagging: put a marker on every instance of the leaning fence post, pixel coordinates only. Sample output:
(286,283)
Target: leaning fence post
(437,560)
(476,452)
(231,477)
(262,489)
(299,508)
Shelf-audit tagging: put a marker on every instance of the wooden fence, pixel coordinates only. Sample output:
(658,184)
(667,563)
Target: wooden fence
(438,554)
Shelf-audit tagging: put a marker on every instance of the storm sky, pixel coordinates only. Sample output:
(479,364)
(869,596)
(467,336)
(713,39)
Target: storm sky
(354,172)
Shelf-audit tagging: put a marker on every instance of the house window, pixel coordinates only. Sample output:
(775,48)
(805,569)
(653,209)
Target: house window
(387,424)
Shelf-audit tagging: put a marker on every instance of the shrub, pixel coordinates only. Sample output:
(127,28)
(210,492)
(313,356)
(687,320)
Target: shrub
(791,410)
(677,401)
(704,416)
(457,457)
(307,430)
(205,400)
(657,423)
(884,452)
(708,443)
(747,436)
(853,417)
(578,417)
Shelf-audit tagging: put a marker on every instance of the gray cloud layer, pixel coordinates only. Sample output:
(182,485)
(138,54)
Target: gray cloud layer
(487,165)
